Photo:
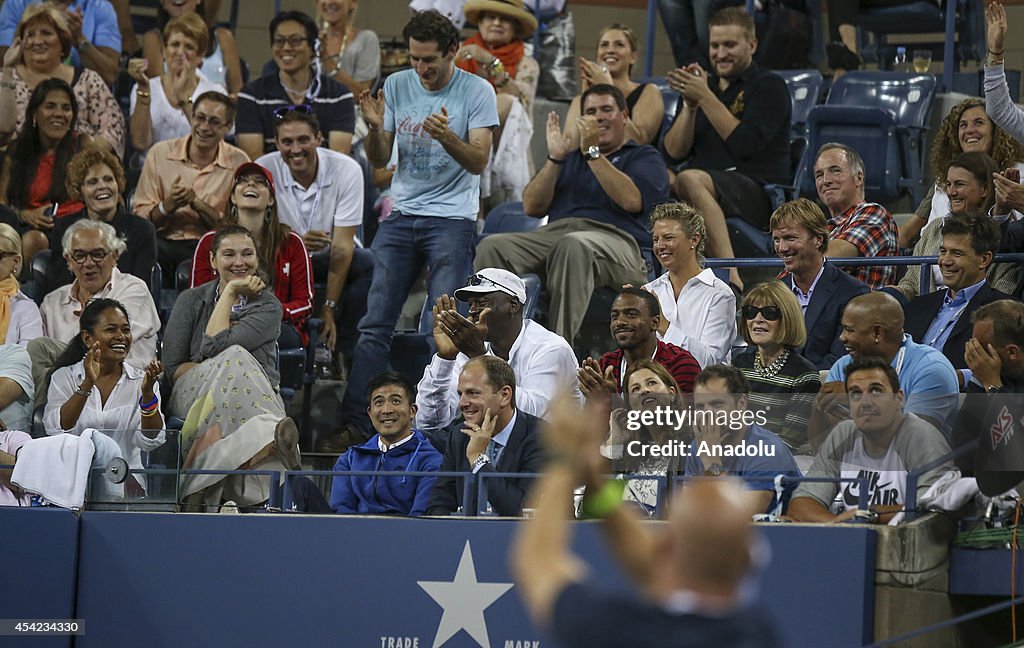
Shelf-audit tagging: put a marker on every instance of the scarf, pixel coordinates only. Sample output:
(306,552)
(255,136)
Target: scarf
(509,55)
(8,289)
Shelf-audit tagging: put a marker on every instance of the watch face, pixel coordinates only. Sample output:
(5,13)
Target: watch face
(593,152)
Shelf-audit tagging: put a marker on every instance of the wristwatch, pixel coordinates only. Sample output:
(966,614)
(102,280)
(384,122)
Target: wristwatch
(714,470)
(870,516)
(994,389)
(593,152)
(481,460)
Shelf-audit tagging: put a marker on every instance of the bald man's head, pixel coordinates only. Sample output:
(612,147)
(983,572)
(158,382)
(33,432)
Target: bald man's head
(711,536)
(872,325)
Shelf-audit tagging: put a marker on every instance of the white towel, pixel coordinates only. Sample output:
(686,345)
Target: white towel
(57,467)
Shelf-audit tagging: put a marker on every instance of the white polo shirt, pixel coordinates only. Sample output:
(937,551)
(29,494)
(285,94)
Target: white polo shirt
(334,199)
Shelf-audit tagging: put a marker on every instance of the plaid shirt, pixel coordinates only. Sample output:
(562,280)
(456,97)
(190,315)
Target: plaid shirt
(872,230)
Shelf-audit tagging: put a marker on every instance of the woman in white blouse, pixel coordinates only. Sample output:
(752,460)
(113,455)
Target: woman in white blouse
(162,109)
(20,322)
(698,308)
(92,386)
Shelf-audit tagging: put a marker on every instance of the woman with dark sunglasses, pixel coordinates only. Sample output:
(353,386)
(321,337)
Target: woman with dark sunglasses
(782,382)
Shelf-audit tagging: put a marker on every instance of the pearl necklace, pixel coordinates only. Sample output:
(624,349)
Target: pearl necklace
(774,368)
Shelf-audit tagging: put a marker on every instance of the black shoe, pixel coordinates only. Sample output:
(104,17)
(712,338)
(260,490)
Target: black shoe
(841,58)
(343,438)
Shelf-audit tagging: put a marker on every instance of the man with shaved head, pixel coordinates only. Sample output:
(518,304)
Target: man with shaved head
(873,326)
(692,574)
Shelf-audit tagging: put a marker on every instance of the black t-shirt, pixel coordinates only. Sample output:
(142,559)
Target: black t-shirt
(333,105)
(759,147)
(589,618)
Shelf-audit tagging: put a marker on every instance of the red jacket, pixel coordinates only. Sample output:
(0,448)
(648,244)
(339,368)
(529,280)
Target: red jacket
(293,278)
(683,367)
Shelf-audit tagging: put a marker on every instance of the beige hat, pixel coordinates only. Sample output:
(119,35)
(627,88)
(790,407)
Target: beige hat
(511,8)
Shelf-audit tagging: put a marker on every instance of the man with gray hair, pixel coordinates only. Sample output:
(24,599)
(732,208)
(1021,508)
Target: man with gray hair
(91,249)
(856,227)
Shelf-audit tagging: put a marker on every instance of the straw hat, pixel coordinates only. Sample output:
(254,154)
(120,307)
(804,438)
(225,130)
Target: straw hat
(511,8)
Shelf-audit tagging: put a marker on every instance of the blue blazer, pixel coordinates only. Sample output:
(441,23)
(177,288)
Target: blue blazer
(523,454)
(824,313)
(922,311)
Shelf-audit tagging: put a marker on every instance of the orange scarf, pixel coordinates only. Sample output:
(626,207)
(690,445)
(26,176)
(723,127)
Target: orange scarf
(509,55)
(8,289)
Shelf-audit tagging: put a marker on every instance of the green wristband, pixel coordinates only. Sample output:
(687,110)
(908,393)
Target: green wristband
(603,503)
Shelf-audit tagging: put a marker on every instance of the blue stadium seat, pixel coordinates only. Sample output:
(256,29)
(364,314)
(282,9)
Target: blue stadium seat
(509,217)
(35,287)
(884,116)
(804,93)
(872,132)
(671,99)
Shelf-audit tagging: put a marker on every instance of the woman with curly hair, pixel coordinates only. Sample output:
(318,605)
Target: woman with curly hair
(96,179)
(966,129)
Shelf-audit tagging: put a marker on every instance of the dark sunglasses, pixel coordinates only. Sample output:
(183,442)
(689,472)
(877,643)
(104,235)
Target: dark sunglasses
(478,280)
(770,313)
(305,109)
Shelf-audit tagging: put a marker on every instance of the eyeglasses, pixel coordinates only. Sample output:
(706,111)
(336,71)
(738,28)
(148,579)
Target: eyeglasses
(305,109)
(770,313)
(200,118)
(252,178)
(292,41)
(479,280)
(80,256)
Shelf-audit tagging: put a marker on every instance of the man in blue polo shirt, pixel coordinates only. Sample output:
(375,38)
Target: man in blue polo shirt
(873,326)
(596,194)
(739,446)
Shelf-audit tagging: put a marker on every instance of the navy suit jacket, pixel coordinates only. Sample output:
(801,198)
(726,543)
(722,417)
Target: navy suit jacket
(922,311)
(523,454)
(824,313)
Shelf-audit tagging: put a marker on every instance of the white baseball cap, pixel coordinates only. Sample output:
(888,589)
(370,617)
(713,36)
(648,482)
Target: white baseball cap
(491,280)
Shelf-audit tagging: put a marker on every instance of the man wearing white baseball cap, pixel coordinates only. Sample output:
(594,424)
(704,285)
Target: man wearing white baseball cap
(543,362)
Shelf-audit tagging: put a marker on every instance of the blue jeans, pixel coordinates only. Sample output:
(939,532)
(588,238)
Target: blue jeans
(686,23)
(401,247)
(352,301)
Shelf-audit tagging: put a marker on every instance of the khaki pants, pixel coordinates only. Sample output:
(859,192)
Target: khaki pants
(43,352)
(574,255)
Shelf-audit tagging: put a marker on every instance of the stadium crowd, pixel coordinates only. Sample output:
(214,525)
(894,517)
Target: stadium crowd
(257,203)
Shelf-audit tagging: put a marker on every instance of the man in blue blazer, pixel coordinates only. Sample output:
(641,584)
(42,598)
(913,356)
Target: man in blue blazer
(492,437)
(800,234)
(942,319)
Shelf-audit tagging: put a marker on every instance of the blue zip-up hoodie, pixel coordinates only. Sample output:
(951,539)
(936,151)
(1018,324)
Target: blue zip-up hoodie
(389,495)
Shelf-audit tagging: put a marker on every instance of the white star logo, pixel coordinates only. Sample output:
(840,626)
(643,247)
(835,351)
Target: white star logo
(464,601)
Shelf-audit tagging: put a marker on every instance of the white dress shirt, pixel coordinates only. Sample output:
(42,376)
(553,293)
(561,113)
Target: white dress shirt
(702,320)
(334,199)
(119,418)
(543,363)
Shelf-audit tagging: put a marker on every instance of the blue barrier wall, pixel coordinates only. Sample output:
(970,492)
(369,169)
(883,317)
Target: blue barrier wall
(270,580)
(40,547)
